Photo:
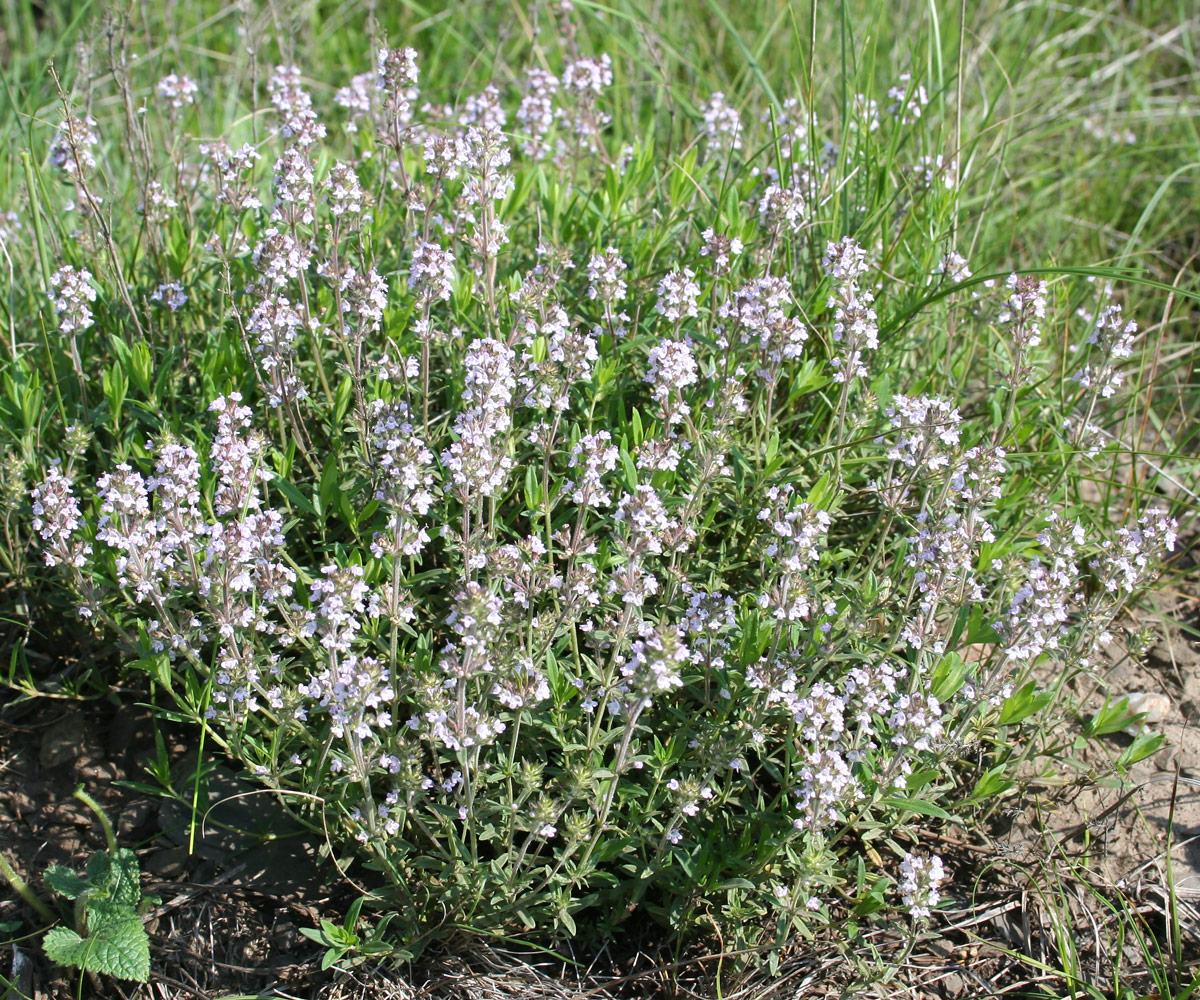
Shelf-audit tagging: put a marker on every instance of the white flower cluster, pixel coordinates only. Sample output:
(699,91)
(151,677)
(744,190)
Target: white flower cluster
(178,91)
(855,326)
(72,293)
(722,124)
(921,882)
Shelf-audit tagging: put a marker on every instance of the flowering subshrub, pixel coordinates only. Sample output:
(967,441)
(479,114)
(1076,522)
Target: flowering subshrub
(573,531)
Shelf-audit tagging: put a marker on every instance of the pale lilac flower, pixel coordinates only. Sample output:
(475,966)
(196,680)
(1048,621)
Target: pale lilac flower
(294,183)
(125,525)
(294,104)
(1036,619)
(592,456)
(927,428)
(234,174)
(827,786)
(364,295)
(845,262)
(920,885)
(757,313)
(908,99)
(479,461)
(722,124)
(942,556)
(954,266)
(405,479)
(341,600)
(677,294)
(356,98)
(71,149)
(606,276)
(237,456)
(1113,337)
(396,77)
(484,112)
(797,530)
(179,522)
(57,519)
(654,662)
(171,295)
(431,273)
(445,155)
(535,116)
(1024,309)
(357,693)
(157,205)
(72,293)
(521,685)
(929,171)
(273,327)
(864,117)
(916,721)
(789,124)
(720,249)
(177,90)
(342,191)
(1133,557)
(280,258)
(588,75)
(10,226)
(855,326)
(672,369)
(785,209)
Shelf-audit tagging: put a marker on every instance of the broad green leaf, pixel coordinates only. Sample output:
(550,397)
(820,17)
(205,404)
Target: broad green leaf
(65,882)
(117,944)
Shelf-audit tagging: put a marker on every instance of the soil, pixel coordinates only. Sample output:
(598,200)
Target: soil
(1145,829)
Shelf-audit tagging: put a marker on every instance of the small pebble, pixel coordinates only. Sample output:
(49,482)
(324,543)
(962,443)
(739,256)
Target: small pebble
(1155,706)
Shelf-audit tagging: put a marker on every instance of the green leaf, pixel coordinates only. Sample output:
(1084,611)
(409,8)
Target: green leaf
(125,885)
(919,806)
(65,882)
(980,632)
(1112,718)
(1142,747)
(117,944)
(331,956)
(341,400)
(1023,703)
(992,783)
(869,904)
(116,388)
(629,467)
(567,922)
(533,489)
(919,779)
(948,677)
(141,367)
(293,495)
(328,486)
(808,379)
(772,447)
